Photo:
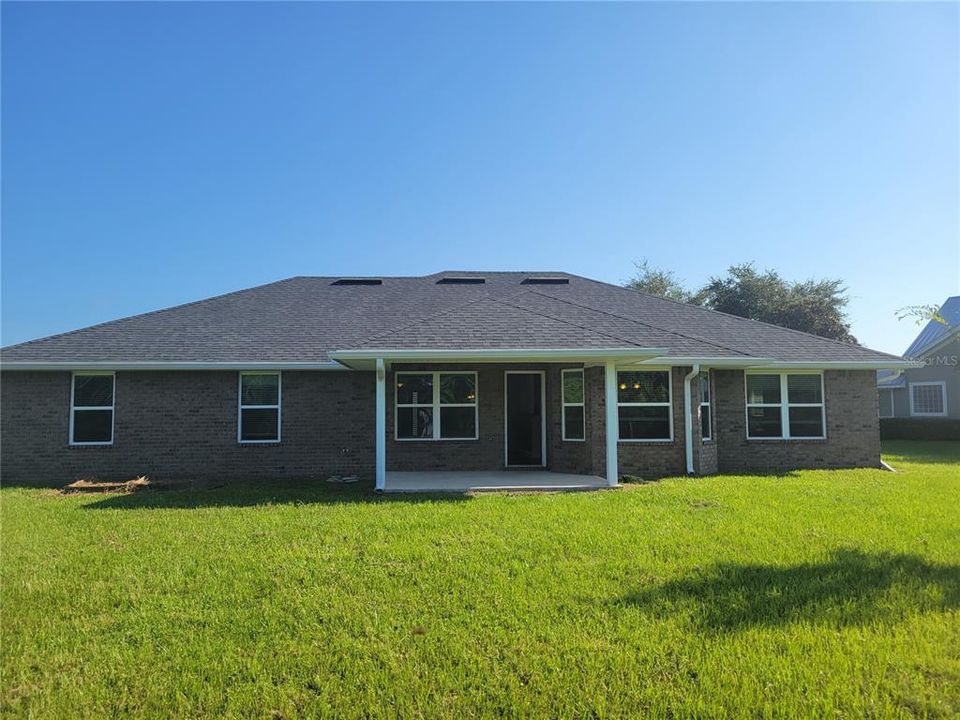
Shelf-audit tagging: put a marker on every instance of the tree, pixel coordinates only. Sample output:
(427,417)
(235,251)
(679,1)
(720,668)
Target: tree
(813,306)
(921,314)
(653,281)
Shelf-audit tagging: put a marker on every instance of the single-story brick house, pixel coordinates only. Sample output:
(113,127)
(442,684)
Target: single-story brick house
(456,371)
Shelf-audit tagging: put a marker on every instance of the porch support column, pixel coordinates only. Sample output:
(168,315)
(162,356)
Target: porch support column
(610,403)
(381,426)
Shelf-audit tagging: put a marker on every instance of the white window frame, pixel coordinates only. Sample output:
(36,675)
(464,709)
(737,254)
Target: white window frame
(708,405)
(943,397)
(436,405)
(785,406)
(564,404)
(74,408)
(889,393)
(241,407)
(668,403)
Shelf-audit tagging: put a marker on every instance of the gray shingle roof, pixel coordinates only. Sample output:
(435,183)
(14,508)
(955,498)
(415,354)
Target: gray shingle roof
(303,319)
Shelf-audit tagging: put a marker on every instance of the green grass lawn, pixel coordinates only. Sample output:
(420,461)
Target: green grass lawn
(820,593)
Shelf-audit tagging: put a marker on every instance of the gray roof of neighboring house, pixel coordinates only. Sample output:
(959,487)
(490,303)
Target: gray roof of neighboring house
(934,331)
(307,318)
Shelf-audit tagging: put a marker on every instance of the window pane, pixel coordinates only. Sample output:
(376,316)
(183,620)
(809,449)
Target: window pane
(764,422)
(573,387)
(458,422)
(573,422)
(92,425)
(415,422)
(804,389)
(927,399)
(705,422)
(704,387)
(643,387)
(415,389)
(806,422)
(458,388)
(259,389)
(260,424)
(644,423)
(763,389)
(92,390)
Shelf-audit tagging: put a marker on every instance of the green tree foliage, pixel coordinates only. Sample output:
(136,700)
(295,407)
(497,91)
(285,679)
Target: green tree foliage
(653,281)
(813,306)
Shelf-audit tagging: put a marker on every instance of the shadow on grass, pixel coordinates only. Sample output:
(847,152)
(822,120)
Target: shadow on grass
(252,493)
(851,588)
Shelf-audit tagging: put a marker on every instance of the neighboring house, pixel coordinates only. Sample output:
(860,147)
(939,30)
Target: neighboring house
(457,371)
(932,391)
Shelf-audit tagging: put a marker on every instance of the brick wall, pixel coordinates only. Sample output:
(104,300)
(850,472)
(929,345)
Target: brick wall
(853,431)
(172,425)
(184,425)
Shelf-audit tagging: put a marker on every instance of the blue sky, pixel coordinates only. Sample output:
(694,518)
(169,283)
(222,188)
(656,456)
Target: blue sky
(155,154)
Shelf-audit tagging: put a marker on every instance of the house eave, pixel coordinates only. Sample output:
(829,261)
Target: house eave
(365,358)
(170,365)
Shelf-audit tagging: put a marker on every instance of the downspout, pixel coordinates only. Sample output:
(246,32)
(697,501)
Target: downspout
(687,416)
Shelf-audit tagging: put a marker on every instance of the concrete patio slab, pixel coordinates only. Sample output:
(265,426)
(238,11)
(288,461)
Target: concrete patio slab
(516,480)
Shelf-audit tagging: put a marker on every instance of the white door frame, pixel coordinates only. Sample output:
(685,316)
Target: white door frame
(543,417)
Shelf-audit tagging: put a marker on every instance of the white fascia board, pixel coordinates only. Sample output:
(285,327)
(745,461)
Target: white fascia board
(172,365)
(758,362)
(497,355)
(709,362)
(844,365)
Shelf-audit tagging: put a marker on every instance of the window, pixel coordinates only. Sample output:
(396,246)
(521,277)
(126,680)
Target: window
(259,408)
(706,422)
(785,405)
(643,405)
(886,403)
(436,406)
(928,398)
(572,400)
(91,409)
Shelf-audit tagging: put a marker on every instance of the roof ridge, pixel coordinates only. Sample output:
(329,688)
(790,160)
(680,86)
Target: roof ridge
(738,317)
(148,313)
(641,322)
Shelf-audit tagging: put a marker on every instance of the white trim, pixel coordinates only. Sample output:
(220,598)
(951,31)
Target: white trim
(564,404)
(785,406)
(943,398)
(381,427)
(880,392)
(772,364)
(709,405)
(75,408)
(241,407)
(543,418)
(612,422)
(172,365)
(668,403)
(363,359)
(435,405)
(688,415)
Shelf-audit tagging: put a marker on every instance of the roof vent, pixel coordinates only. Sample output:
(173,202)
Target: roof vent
(358,281)
(461,280)
(545,281)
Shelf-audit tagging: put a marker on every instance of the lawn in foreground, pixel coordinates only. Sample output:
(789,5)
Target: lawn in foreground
(815,593)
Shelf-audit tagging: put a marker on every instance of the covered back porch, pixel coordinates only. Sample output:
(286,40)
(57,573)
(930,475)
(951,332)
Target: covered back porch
(475,420)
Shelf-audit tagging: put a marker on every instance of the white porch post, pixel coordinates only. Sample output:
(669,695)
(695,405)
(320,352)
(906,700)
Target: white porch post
(381,425)
(610,403)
